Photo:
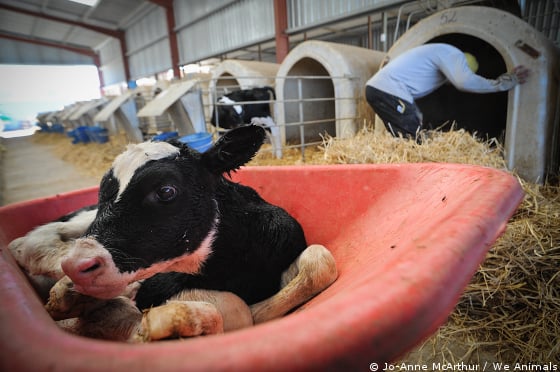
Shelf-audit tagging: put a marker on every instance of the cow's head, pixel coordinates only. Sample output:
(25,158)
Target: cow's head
(157,212)
(229,115)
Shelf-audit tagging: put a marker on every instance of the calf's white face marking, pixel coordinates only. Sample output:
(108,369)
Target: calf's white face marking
(228,100)
(135,156)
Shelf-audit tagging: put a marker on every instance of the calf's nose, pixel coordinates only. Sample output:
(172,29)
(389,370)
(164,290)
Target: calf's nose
(89,265)
(83,269)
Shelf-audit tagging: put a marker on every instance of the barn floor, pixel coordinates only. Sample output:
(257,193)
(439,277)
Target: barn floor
(29,170)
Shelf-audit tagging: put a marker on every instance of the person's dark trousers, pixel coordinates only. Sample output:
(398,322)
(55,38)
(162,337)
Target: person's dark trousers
(399,116)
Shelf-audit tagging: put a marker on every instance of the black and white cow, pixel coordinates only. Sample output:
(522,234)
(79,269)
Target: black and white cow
(169,222)
(236,109)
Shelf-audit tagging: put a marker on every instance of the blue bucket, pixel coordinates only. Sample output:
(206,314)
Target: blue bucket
(103,136)
(57,128)
(98,134)
(165,136)
(72,134)
(80,134)
(198,141)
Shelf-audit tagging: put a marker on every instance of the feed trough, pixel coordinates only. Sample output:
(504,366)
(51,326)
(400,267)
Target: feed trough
(406,238)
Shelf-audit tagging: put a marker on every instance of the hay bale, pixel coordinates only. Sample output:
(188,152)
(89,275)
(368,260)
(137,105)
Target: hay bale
(457,146)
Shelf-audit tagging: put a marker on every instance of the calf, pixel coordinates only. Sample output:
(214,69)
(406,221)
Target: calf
(169,223)
(236,109)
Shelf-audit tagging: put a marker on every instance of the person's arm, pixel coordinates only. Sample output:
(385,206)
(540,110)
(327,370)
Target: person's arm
(460,75)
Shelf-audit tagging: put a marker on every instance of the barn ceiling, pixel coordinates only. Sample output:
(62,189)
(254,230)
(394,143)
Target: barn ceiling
(66,24)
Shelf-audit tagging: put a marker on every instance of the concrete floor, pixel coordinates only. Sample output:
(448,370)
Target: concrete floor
(29,170)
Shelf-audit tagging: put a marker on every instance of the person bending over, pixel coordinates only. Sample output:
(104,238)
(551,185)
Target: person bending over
(392,91)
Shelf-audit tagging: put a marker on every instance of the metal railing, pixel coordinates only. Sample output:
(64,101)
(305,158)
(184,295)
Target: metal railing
(297,106)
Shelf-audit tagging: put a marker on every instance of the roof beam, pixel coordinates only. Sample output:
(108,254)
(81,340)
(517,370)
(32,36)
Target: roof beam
(106,31)
(118,34)
(85,51)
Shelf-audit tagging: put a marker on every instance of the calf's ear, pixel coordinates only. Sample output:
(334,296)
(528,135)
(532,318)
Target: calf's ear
(233,149)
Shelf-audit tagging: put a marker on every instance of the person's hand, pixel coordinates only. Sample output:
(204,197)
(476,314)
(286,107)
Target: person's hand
(521,73)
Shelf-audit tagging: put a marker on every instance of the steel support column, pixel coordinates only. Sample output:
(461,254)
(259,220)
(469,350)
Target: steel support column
(280,26)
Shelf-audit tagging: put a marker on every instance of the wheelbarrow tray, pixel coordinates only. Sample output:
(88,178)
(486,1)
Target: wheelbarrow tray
(407,239)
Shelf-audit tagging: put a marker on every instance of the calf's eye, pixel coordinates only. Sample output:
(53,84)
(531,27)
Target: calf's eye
(166,193)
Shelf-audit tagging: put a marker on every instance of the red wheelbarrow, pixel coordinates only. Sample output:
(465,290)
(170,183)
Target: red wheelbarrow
(407,240)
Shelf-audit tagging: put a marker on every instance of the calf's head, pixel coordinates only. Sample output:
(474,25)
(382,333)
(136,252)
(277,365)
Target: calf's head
(157,212)
(229,117)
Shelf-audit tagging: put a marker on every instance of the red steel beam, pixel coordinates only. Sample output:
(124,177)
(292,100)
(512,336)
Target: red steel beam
(97,62)
(172,35)
(122,41)
(85,51)
(280,26)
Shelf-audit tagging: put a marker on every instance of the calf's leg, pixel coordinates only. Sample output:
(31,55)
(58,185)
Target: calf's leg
(197,312)
(178,319)
(41,251)
(190,313)
(312,272)
(194,312)
(115,319)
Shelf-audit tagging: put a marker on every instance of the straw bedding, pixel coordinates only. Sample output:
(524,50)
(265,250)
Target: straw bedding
(510,312)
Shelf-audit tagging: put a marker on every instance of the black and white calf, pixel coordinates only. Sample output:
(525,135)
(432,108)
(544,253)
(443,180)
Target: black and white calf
(169,222)
(236,109)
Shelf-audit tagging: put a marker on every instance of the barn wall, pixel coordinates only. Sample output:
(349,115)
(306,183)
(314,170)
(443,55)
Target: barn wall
(209,28)
(309,13)
(543,15)
(148,49)
(112,63)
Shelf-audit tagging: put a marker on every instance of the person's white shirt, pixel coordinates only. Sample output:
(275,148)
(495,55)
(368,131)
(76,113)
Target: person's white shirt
(421,70)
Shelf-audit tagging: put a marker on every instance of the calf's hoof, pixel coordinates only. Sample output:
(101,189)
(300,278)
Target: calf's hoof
(179,319)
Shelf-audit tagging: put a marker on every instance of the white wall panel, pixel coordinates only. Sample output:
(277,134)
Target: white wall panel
(191,11)
(307,13)
(153,59)
(111,63)
(229,26)
(148,49)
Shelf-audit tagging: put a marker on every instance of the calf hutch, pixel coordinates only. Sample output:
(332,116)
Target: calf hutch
(524,118)
(234,74)
(319,85)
